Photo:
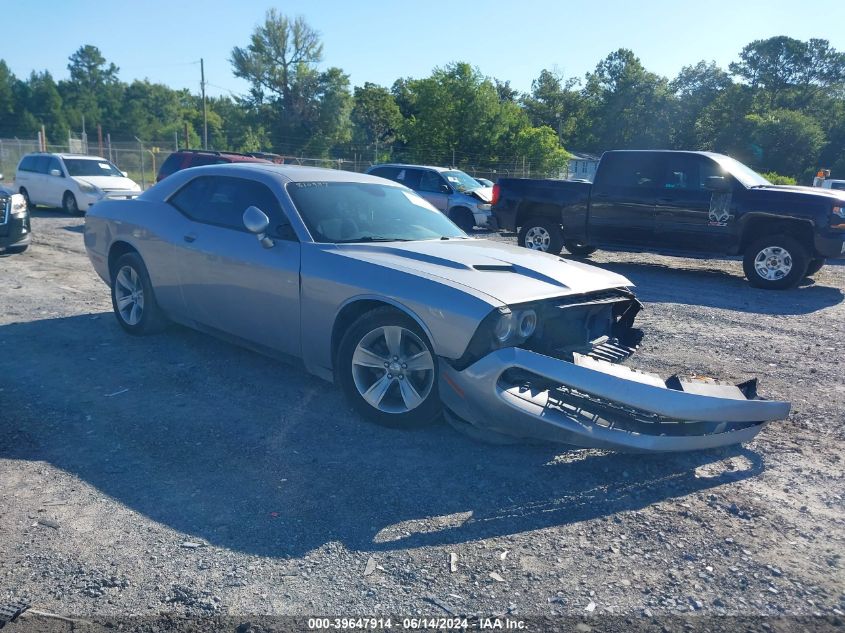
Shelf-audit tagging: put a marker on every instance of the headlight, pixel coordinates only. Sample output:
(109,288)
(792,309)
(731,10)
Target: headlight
(484,207)
(18,204)
(515,327)
(87,187)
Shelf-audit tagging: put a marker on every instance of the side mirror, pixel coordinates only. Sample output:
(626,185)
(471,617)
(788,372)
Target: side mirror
(719,184)
(1,175)
(125,174)
(257,222)
(444,188)
(56,172)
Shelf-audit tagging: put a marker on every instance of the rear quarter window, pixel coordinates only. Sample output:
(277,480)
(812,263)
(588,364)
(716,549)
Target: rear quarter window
(639,170)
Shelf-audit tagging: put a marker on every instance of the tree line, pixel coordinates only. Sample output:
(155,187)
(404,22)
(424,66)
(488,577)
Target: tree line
(780,107)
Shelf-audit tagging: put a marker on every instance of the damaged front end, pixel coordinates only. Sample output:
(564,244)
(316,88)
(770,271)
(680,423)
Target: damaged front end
(548,371)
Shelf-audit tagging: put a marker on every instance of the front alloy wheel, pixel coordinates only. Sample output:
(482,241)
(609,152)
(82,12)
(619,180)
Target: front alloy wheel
(775,262)
(388,369)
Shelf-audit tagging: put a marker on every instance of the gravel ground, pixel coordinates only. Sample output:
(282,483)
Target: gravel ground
(179,474)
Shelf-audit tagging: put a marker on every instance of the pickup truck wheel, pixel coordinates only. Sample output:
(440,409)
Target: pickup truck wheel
(815,266)
(388,370)
(775,262)
(541,234)
(133,299)
(578,249)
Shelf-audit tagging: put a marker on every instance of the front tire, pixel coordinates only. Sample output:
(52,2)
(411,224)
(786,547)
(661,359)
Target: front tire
(69,204)
(541,234)
(29,206)
(463,218)
(578,249)
(133,299)
(815,266)
(775,262)
(388,370)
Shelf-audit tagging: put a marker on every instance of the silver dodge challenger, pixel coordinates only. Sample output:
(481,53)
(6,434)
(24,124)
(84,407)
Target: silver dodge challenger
(373,288)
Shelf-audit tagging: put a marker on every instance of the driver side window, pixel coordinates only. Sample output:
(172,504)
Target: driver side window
(689,172)
(431,182)
(222,200)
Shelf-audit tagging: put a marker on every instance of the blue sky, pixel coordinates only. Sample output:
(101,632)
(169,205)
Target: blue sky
(378,41)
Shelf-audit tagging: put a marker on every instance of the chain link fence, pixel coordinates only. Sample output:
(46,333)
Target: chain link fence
(141,159)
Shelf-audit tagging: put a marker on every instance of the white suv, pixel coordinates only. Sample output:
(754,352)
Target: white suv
(71,181)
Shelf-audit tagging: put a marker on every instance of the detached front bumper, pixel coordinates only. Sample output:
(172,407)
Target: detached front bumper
(596,404)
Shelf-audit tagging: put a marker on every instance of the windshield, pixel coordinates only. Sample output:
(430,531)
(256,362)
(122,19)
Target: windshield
(88,167)
(838,184)
(744,174)
(366,212)
(460,181)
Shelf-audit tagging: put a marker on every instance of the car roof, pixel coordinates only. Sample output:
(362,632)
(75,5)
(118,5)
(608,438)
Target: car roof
(664,151)
(409,166)
(292,173)
(63,155)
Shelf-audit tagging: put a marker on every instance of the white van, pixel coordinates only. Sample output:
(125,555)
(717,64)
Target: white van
(71,181)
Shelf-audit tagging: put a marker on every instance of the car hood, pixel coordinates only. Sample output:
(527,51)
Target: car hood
(813,192)
(107,183)
(485,194)
(506,273)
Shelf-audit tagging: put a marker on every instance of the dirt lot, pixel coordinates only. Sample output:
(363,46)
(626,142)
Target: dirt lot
(182,474)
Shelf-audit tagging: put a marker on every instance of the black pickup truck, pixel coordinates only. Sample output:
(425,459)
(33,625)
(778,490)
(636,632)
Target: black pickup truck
(680,202)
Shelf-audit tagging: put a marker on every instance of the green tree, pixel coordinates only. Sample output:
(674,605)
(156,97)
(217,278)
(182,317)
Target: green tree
(93,91)
(375,115)
(542,150)
(791,72)
(629,107)
(555,102)
(44,102)
(308,109)
(786,141)
(696,87)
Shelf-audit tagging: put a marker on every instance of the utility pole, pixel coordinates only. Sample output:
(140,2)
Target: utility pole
(204,113)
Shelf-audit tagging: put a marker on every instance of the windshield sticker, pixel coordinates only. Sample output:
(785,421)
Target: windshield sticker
(305,185)
(104,166)
(452,179)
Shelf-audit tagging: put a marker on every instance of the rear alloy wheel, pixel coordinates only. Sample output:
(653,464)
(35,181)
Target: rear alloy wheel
(388,370)
(578,249)
(541,234)
(775,262)
(815,266)
(133,299)
(69,204)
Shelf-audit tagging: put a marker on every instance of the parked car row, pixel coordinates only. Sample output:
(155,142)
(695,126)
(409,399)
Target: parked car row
(683,203)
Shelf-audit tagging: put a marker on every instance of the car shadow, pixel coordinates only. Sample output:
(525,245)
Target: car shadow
(248,453)
(661,283)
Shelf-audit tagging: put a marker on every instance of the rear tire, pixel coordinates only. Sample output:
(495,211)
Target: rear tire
(69,204)
(133,299)
(578,249)
(541,234)
(775,262)
(375,368)
(815,266)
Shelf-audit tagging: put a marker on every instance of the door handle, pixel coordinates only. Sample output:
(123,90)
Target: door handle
(190,237)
